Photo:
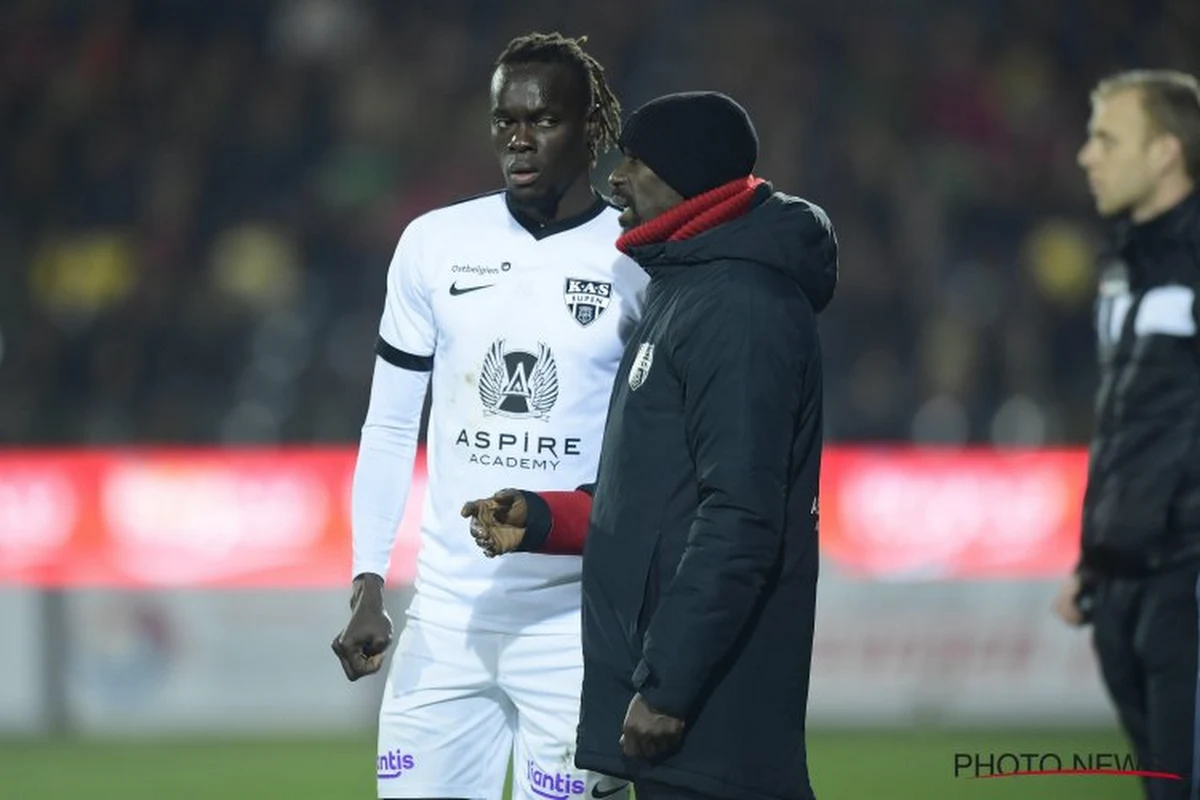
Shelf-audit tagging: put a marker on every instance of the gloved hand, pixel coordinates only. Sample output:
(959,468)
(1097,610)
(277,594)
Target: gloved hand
(498,522)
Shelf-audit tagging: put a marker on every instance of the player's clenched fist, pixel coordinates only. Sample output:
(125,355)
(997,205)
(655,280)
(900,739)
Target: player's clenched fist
(497,522)
(361,645)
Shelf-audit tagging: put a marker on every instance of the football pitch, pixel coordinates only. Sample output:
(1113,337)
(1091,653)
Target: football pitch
(896,765)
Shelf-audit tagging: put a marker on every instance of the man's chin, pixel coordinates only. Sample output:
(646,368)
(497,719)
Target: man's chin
(525,191)
(1106,207)
(628,220)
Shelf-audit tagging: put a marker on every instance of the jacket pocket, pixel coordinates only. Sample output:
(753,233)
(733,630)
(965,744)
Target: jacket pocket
(650,593)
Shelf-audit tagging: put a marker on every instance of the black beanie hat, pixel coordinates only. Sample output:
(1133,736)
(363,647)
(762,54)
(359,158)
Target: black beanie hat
(694,141)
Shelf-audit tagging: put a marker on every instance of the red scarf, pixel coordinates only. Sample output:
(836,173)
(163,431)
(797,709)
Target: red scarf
(695,216)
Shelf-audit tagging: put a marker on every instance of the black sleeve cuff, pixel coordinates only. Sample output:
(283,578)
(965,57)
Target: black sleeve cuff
(401,359)
(642,676)
(538,522)
(1085,601)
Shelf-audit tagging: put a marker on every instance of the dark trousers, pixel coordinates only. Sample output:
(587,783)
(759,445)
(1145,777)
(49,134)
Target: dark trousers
(1146,633)
(649,790)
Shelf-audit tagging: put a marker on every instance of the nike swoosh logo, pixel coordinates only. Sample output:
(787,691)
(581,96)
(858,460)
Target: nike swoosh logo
(600,795)
(455,291)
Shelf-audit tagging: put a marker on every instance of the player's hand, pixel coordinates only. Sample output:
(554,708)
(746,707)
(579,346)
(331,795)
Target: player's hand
(498,522)
(1066,602)
(648,734)
(361,645)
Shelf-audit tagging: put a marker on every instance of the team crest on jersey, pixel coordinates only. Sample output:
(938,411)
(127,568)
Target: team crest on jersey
(641,365)
(586,300)
(517,383)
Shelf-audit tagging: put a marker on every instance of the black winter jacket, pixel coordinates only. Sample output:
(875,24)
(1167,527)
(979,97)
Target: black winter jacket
(700,567)
(1142,506)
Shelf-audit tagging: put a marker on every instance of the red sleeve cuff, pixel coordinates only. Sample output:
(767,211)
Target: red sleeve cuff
(570,513)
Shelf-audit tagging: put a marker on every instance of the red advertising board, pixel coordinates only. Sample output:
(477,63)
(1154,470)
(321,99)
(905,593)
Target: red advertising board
(280,517)
(949,514)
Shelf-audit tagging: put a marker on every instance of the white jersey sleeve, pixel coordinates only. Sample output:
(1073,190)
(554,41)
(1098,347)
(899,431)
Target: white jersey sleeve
(407,323)
(388,446)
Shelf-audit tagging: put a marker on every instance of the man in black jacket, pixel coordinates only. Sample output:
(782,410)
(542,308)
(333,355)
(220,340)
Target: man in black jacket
(700,559)
(1138,579)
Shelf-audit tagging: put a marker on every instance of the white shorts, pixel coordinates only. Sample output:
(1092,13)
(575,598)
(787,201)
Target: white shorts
(460,705)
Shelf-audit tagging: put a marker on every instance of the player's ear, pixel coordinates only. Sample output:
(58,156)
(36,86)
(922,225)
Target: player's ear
(1160,149)
(1165,150)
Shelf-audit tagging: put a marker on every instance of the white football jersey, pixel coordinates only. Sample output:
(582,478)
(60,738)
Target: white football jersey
(524,329)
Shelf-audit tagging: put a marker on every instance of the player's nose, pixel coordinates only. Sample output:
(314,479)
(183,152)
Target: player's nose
(522,139)
(1084,157)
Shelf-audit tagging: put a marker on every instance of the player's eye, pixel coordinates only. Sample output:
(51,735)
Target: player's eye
(501,122)
(546,122)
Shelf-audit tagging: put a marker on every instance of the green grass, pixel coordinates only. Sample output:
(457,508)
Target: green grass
(896,765)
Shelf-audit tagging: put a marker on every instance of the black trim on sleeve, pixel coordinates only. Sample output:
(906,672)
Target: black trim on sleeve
(537,523)
(401,359)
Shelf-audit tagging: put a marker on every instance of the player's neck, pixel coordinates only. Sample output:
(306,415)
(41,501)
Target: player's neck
(1170,193)
(575,201)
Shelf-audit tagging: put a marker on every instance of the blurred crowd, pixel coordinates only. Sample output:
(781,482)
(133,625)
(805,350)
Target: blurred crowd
(199,198)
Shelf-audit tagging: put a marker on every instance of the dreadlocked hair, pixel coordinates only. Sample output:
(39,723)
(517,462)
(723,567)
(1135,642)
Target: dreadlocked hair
(554,48)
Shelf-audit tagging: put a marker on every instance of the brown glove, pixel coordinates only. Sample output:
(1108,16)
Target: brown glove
(498,522)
